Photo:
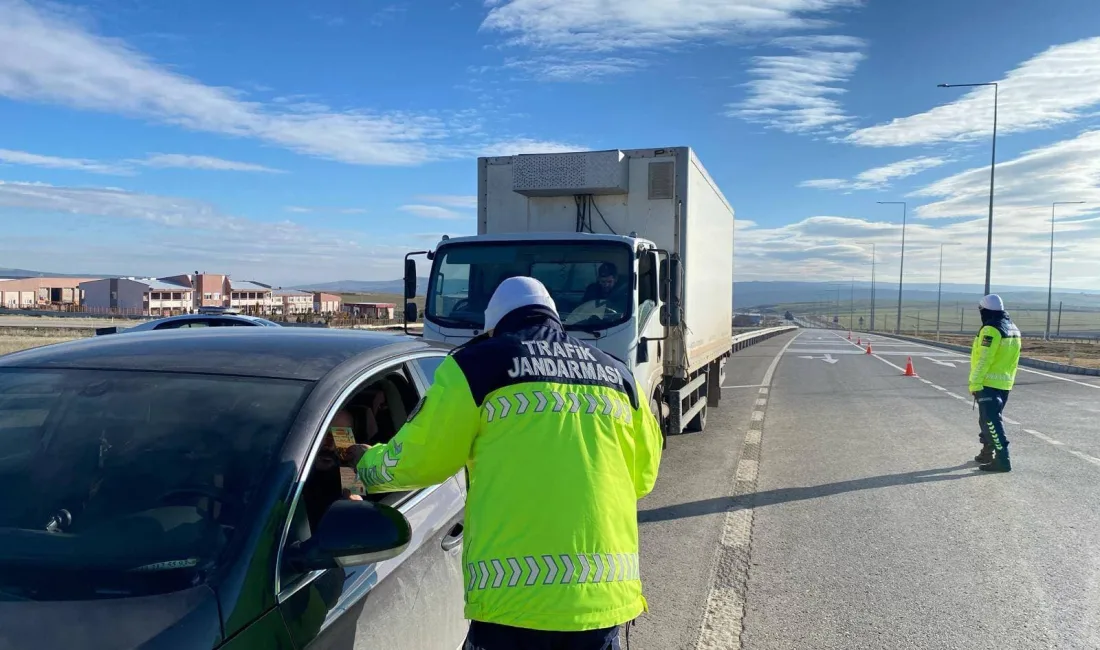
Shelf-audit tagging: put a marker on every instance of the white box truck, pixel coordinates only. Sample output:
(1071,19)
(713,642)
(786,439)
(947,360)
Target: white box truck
(636,248)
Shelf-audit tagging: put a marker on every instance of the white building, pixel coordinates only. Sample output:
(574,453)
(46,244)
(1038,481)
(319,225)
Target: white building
(253,297)
(294,301)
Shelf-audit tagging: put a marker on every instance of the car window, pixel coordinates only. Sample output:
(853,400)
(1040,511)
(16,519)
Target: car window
(145,476)
(428,366)
(173,324)
(373,414)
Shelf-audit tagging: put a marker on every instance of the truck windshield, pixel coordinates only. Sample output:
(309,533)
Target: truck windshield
(590,282)
(120,483)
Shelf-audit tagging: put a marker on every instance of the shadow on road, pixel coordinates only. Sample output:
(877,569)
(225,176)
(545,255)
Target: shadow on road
(787,495)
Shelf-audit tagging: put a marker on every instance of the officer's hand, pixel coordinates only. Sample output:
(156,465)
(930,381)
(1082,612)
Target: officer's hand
(353,454)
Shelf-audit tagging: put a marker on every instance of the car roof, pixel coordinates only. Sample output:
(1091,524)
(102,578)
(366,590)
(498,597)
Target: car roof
(214,316)
(287,353)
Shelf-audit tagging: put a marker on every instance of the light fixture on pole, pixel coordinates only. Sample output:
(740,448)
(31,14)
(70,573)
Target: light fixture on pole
(992,170)
(1050,279)
(901,270)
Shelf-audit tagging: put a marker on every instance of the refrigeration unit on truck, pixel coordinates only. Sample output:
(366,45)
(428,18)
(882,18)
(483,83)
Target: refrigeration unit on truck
(636,248)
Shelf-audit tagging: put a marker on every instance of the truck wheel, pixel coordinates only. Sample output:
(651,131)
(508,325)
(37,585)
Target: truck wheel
(698,423)
(658,412)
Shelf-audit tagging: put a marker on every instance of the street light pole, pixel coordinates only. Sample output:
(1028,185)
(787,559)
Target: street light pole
(1050,279)
(992,171)
(939,290)
(872,287)
(901,271)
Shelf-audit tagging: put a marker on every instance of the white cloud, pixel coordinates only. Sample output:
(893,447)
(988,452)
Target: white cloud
(113,202)
(520,146)
(452,200)
(878,177)
(605,25)
(432,212)
(1051,88)
(48,58)
(53,162)
(797,93)
(183,161)
(1068,170)
(300,209)
(564,68)
(187,234)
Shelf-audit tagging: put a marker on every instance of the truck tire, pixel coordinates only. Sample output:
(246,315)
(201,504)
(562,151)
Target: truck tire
(658,412)
(698,423)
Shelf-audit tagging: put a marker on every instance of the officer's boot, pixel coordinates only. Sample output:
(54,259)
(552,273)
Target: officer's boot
(1000,463)
(986,456)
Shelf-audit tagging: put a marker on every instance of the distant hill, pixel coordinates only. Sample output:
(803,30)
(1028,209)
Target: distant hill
(367,286)
(27,273)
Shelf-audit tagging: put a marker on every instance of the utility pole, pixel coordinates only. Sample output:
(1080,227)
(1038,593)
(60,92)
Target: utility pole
(872,287)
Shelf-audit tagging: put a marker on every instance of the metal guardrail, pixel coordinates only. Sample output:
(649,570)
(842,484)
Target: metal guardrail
(742,341)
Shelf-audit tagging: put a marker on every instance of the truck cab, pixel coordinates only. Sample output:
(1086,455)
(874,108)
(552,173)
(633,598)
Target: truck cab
(614,236)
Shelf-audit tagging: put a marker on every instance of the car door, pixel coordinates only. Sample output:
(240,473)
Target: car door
(412,602)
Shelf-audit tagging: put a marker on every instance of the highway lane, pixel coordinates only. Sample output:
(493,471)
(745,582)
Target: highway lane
(869,528)
(677,555)
(1058,409)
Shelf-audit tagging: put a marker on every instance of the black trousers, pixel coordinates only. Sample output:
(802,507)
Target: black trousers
(991,404)
(489,636)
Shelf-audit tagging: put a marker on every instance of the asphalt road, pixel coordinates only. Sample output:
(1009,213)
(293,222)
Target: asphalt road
(677,552)
(858,519)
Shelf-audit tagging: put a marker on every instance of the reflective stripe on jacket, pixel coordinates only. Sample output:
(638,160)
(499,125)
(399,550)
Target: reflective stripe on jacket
(558,447)
(994,356)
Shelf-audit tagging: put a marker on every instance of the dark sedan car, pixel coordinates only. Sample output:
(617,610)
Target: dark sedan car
(170,490)
(189,321)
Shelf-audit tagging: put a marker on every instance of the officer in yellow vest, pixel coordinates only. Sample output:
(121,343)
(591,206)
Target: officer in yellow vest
(558,446)
(993,361)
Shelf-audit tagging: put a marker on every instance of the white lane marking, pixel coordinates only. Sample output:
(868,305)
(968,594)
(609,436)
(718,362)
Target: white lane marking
(1042,436)
(761,402)
(1021,368)
(725,606)
(1037,434)
(1084,456)
(767,381)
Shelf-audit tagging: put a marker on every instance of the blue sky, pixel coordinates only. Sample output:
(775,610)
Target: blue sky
(305,142)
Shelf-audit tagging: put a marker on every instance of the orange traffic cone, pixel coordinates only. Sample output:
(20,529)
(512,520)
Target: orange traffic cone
(849,336)
(869,347)
(859,340)
(909,372)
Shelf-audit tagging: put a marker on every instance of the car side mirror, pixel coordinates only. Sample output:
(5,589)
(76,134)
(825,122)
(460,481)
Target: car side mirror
(410,278)
(410,312)
(352,533)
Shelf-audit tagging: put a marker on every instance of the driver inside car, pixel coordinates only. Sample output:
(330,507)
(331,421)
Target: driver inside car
(324,485)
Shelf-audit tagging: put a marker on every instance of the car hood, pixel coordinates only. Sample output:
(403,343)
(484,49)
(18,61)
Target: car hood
(183,619)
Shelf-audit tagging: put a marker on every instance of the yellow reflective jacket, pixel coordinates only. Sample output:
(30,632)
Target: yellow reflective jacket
(995,355)
(558,448)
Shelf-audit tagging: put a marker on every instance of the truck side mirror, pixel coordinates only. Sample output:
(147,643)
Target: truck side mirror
(675,291)
(410,278)
(410,312)
(662,287)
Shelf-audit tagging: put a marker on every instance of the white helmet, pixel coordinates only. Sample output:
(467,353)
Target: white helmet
(515,293)
(992,302)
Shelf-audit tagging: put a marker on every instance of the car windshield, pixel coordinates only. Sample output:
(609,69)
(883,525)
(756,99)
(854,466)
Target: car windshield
(590,283)
(136,480)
